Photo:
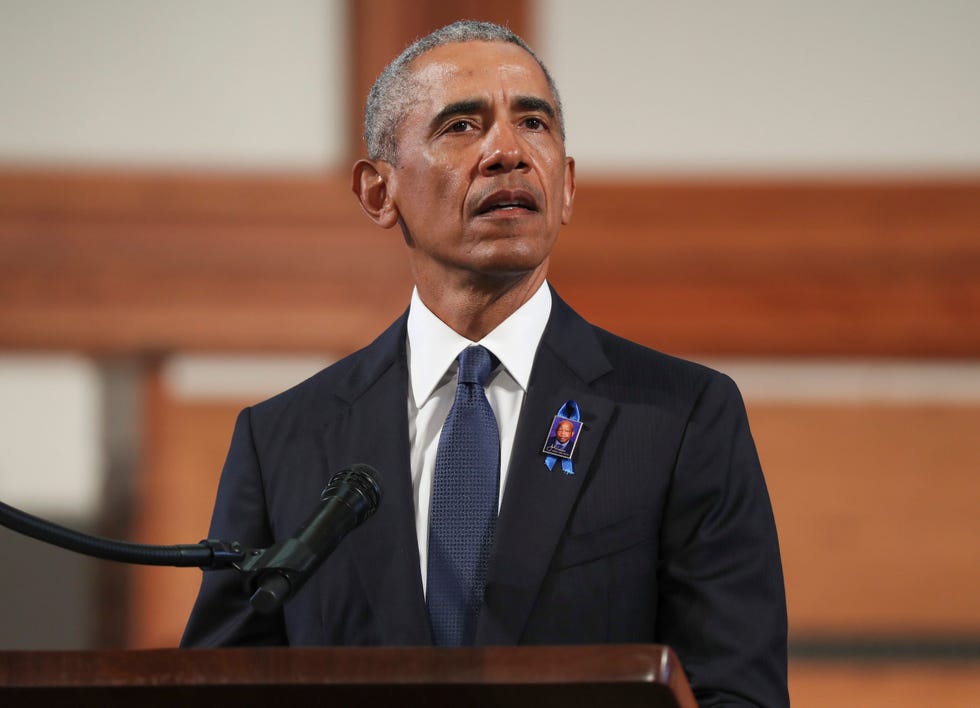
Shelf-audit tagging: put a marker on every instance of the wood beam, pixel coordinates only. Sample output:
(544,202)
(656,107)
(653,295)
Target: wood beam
(138,263)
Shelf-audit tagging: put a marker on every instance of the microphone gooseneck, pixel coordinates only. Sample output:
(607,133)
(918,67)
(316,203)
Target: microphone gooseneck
(275,574)
(206,554)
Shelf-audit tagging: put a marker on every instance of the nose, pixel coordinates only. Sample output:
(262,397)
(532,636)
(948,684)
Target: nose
(504,150)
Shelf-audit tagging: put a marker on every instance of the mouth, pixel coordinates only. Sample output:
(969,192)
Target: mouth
(508,201)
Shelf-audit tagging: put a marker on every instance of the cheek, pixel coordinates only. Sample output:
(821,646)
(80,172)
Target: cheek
(449,182)
(556,177)
(436,187)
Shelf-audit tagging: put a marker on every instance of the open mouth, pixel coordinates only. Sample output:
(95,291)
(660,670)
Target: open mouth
(508,200)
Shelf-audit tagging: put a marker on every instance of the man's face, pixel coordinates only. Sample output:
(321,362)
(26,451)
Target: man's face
(564,432)
(481,181)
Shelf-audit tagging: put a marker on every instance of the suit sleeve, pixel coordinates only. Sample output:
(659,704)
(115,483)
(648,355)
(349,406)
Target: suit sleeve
(221,614)
(722,604)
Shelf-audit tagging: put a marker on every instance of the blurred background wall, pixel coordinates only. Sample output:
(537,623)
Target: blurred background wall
(787,191)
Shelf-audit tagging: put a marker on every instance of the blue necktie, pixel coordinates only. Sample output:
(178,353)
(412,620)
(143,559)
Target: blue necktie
(464,505)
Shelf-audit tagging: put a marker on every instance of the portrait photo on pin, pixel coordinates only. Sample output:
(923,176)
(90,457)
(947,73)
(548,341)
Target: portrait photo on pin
(562,437)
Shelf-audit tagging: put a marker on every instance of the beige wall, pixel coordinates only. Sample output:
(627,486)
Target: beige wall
(217,84)
(51,434)
(649,85)
(766,85)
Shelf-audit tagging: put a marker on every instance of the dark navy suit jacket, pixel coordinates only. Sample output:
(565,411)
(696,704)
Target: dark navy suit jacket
(664,533)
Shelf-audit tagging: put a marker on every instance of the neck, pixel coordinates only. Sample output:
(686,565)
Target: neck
(475,309)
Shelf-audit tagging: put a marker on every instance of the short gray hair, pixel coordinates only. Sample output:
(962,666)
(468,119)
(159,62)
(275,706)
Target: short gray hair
(392,93)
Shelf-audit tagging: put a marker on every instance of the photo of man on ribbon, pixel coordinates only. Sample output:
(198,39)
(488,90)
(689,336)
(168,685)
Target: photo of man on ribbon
(562,437)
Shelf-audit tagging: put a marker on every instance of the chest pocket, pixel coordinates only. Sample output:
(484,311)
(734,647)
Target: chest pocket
(603,542)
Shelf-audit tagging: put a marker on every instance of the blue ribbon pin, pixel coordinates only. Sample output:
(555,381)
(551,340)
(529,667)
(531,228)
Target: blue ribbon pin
(556,448)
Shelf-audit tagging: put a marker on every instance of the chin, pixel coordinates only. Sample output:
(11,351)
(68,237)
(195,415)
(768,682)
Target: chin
(512,261)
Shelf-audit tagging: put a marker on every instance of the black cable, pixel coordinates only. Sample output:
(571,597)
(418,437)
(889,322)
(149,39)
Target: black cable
(206,554)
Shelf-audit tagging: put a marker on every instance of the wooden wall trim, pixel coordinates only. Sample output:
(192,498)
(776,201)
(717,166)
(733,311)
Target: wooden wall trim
(832,268)
(124,263)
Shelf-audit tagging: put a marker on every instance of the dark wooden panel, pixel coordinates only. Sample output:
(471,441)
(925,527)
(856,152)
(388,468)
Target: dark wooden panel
(134,263)
(634,675)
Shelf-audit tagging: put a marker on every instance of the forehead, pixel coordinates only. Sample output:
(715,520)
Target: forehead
(463,70)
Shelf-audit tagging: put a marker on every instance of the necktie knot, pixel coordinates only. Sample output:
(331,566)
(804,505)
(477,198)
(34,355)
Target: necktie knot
(475,365)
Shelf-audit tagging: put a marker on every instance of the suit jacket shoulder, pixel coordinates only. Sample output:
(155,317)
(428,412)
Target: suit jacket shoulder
(340,384)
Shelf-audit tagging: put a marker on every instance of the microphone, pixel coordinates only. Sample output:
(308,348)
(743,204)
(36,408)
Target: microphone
(352,495)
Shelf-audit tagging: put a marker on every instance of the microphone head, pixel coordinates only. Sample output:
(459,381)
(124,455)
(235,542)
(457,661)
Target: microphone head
(351,496)
(358,486)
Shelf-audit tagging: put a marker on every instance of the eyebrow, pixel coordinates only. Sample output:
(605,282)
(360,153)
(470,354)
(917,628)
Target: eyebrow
(477,105)
(533,103)
(456,108)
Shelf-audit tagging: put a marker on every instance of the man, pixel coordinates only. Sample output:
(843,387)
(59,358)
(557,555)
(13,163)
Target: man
(559,443)
(658,529)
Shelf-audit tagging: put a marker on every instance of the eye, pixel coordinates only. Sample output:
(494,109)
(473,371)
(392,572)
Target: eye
(459,126)
(534,123)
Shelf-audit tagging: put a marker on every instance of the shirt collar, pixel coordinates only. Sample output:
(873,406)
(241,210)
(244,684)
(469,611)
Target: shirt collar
(433,346)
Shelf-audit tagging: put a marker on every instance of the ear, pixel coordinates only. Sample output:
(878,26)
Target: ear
(569,195)
(370,184)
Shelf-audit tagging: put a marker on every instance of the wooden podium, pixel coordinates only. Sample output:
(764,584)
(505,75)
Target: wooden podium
(538,677)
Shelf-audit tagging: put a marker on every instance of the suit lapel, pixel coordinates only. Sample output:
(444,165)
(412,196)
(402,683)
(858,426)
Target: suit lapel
(374,430)
(537,501)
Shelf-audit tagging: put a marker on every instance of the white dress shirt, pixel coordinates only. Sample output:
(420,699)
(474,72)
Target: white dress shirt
(432,367)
